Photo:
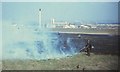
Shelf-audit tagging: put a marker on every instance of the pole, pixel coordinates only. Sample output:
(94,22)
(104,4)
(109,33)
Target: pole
(82,49)
(40,18)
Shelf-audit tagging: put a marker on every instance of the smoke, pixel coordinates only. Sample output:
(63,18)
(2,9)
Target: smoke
(0,40)
(23,42)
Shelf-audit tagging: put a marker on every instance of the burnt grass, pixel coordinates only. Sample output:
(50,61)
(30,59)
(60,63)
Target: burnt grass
(103,44)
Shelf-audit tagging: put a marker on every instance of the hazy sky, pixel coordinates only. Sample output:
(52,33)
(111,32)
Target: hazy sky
(59,0)
(61,11)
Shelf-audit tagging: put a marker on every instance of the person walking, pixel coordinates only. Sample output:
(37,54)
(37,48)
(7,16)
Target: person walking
(88,48)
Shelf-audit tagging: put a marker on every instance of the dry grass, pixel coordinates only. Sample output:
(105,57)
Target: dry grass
(77,62)
(0,65)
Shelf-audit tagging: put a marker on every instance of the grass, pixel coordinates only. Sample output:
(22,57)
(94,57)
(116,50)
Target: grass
(0,65)
(77,62)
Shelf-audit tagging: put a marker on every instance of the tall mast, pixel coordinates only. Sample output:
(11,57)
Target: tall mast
(40,19)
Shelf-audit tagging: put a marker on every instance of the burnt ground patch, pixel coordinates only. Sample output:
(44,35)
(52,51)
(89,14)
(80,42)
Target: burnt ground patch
(103,44)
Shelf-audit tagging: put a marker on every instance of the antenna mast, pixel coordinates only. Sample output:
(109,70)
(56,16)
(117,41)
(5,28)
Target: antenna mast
(40,18)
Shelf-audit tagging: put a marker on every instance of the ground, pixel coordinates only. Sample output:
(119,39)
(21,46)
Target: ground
(0,65)
(76,62)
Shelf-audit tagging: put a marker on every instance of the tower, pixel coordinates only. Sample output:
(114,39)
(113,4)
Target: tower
(40,19)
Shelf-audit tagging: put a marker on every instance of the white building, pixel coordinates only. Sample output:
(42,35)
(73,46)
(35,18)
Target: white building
(62,24)
(85,26)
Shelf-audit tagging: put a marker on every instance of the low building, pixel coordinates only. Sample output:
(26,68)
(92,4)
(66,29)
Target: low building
(85,26)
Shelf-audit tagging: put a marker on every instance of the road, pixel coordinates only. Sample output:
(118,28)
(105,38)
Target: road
(85,31)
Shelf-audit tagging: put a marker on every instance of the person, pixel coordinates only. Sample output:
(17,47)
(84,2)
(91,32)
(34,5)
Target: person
(88,48)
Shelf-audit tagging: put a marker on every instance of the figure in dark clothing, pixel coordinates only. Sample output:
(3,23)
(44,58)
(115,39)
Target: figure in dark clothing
(88,48)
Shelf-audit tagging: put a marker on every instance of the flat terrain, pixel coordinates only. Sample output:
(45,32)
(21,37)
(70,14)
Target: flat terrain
(76,62)
(86,31)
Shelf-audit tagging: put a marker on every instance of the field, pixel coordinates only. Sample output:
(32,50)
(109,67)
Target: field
(77,62)
(103,57)
(0,65)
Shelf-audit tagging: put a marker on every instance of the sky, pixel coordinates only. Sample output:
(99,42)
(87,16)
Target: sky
(103,12)
(59,0)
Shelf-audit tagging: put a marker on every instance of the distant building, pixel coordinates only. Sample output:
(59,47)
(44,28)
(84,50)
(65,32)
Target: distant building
(69,26)
(85,26)
(60,24)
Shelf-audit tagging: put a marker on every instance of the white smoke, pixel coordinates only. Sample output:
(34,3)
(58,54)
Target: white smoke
(23,42)
(0,40)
